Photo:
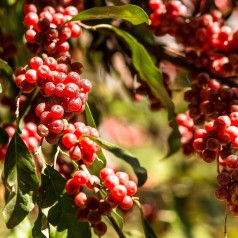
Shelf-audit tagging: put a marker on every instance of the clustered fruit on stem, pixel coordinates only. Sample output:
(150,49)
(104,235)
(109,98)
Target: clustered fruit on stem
(210,126)
(54,76)
(118,191)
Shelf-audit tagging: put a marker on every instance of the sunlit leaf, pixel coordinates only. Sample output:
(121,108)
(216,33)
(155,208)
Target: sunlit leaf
(140,172)
(129,12)
(146,68)
(101,163)
(5,66)
(21,179)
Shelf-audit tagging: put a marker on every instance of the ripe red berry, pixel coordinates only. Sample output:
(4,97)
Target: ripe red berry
(57,111)
(72,187)
(69,140)
(126,203)
(81,177)
(131,187)
(111,181)
(119,192)
(75,153)
(105,172)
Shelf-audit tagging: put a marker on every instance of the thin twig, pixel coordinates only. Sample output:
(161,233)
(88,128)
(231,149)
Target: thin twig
(116,227)
(218,162)
(225,223)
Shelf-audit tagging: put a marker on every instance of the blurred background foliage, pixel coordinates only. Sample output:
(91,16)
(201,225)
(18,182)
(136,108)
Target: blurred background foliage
(178,198)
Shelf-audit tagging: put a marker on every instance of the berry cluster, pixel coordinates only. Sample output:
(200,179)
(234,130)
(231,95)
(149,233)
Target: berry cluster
(79,146)
(220,137)
(214,41)
(47,28)
(208,99)
(28,135)
(90,208)
(228,189)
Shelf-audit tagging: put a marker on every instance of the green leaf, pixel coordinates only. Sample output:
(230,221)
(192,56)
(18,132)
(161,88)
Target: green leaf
(5,66)
(140,172)
(63,216)
(4,138)
(89,117)
(117,218)
(101,163)
(53,185)
(28,104)
(36,231)
(145,67)
(21,179)
(149,233)
(174,140)
(129,12)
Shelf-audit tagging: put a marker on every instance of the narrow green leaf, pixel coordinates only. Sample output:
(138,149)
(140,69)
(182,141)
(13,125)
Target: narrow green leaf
(140,172)
(101,163)
(28,104)
(21,179)
(0,88)
(53,185)
(174,140)
(63,216)
(129,12)
(117,218)
(151,74)
(5,66)
(89,117)
(149,233)
(145,67)
(4,138)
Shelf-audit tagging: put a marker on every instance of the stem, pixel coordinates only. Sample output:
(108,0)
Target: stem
(218,163)
(17,108)
(116,227)
(225,223)
(56,156)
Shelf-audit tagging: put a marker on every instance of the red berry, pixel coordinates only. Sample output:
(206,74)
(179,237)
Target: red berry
(126,203)
(81,177)
(57,111)
(111,181)
(69,140)
(105,172)
(72,187)
(80,199)
(131,187)
(119,192)
(75,153)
